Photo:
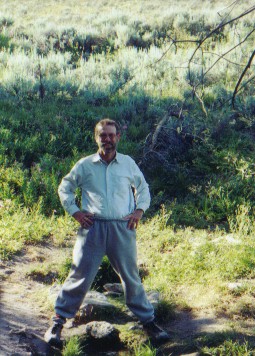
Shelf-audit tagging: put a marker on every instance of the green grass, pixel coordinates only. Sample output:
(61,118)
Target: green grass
(145,350)
(22,226)
(229,348)
(73,347)
(195,259)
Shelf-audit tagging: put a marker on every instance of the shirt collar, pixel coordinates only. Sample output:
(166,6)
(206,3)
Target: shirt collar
(97,158)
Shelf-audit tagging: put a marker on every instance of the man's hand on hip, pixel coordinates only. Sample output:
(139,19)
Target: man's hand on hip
(85,219)
(134,218)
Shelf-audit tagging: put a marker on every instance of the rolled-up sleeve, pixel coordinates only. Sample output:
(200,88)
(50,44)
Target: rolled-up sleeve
(67,190)
(142,193)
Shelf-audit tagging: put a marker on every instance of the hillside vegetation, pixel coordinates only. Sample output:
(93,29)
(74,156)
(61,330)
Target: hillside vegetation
(65,65)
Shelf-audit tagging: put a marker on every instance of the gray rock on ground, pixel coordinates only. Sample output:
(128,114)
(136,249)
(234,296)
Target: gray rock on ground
(153,297)
(114,288)
(103,331)
(96,298)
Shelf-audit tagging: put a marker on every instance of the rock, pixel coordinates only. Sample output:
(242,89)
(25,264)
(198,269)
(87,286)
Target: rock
(112,294)
(70,323)
(114,288)
(103,331)
(40,347)
(94,303)
(153,297)
(35,344)
(86,310)
(96,298)
(92,297)
(9,271)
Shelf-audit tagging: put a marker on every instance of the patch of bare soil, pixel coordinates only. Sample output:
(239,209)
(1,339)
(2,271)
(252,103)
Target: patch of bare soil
(23,321)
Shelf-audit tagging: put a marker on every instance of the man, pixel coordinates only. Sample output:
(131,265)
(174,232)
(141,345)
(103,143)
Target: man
(114,197)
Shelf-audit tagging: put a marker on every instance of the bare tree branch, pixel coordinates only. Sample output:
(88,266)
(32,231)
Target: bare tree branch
(231,49)
(241,78)
(233,4)
(244,85)
(221,56)
(199,46)
(200,101)
(173,43)
(219,27)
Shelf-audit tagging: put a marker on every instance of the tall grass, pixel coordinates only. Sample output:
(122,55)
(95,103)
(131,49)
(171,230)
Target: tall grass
(20,226)
(196,258)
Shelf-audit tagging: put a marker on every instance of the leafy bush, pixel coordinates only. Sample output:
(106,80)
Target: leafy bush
(4,41)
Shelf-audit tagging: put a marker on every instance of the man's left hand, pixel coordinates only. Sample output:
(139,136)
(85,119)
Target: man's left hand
(134,218)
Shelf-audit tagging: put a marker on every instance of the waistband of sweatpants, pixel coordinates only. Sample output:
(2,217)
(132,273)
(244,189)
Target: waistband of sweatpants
(98,218)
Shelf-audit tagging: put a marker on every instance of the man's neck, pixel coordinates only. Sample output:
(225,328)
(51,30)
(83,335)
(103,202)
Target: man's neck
(107,157)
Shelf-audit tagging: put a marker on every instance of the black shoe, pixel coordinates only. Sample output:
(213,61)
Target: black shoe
(155,332)
(53,334)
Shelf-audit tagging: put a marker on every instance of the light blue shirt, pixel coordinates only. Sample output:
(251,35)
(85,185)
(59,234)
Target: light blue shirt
(109,191)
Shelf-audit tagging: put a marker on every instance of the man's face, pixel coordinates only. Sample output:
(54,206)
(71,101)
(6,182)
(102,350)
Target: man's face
(107,139)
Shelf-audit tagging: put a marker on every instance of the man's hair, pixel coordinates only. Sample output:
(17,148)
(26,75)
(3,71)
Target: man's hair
(106,122)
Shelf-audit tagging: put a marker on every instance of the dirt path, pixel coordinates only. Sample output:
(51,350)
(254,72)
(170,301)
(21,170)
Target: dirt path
(23,322)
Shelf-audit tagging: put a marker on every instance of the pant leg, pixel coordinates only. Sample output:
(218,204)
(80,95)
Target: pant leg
(88,252)
(122,253)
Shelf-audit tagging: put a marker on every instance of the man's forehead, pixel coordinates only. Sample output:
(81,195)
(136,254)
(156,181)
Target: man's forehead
(107,128)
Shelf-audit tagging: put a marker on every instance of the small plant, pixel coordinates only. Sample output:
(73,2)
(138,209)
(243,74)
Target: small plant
(164,217)
(241,222)
(166,310)
(145,350)
(73,347)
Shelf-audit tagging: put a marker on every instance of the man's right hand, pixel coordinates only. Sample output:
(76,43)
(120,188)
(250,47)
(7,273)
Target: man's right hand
(85,219)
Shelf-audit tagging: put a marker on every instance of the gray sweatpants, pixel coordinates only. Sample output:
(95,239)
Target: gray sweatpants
(114,239)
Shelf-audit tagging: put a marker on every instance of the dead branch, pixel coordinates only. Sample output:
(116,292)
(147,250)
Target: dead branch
(241,78)
(222,57)
(239,89)
(220,27)
(230,50)
(174,43)
(200,100)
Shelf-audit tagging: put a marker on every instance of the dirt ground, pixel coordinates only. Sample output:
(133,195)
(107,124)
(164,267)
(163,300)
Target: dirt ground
(23,321)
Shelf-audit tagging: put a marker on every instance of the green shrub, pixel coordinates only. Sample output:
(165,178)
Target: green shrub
(4,41)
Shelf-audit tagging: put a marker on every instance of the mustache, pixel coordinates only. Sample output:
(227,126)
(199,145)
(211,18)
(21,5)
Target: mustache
(104,144)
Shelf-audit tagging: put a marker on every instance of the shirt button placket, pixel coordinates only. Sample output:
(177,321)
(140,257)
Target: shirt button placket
(108,190)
